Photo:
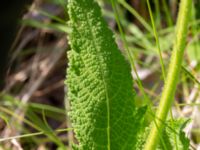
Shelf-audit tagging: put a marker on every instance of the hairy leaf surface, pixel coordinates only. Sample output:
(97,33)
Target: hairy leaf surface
(100,86)
(173,137)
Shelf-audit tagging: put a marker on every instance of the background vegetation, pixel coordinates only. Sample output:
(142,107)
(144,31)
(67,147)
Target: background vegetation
(32,112)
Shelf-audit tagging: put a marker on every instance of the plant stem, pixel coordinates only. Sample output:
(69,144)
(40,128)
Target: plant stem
(157,40)
(167,13)
(172,76)
(136,15)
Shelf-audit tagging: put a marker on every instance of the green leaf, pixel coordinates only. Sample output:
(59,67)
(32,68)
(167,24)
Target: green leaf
(100,86)
(173,137)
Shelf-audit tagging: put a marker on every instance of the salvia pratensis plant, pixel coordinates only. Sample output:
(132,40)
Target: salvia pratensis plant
(100,87)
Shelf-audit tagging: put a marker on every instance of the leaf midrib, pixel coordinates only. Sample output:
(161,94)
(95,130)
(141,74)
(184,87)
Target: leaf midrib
(103,78)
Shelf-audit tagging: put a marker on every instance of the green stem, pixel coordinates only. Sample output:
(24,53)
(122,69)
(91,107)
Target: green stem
(173,74)
(157,40)
(157,6)
(167,13)
(135,14)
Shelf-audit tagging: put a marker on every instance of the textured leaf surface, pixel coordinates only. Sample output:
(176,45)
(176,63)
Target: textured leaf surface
(100,86)
(173,137)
